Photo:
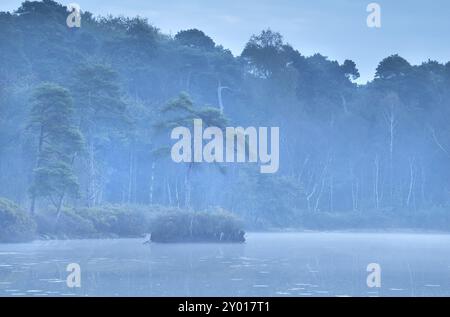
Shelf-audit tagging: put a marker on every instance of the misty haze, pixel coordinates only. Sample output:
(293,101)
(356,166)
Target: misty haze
(335,186)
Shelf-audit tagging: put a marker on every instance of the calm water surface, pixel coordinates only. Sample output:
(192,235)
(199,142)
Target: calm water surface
(268,264)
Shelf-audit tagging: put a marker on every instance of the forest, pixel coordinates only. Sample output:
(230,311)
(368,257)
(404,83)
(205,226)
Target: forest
(86,115)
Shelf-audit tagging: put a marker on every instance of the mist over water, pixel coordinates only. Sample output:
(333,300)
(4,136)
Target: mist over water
(268,264)
(140,162)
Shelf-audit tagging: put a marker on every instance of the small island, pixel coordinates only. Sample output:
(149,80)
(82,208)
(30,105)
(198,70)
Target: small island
(198,227)
(120,221)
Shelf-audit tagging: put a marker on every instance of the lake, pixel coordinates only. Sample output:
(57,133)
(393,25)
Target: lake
(268,264)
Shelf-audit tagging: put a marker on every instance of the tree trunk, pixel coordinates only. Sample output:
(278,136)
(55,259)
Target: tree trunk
(376,185)
(187,188)
(152,183)
(319,196)
(59,208)
(91,176)
(176,193)
(411,181)
(219,95)
(392,123)
(33,194)
(169,192)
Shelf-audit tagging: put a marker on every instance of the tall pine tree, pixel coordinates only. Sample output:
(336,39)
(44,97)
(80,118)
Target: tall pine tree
(58,143)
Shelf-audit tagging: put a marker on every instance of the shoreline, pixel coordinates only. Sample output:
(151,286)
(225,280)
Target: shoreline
(400,231)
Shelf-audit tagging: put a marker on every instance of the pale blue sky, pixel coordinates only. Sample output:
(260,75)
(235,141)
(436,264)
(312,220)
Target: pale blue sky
(415,29)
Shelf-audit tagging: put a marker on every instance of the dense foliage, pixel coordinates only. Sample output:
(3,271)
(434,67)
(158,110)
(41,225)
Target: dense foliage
(16,224)
(108,221)
(213,226)
(120,84)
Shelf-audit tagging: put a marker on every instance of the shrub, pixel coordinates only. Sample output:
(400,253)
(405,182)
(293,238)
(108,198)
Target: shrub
(184,226)
(109,221)
(70,225)
(118,220)
(15,224)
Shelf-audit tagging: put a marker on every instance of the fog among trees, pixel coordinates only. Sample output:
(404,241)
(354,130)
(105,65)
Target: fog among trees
(86,114)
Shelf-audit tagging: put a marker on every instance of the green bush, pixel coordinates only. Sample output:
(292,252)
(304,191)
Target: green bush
(109,221)
(184,226)
(15,224)
(117,220)
(70,225)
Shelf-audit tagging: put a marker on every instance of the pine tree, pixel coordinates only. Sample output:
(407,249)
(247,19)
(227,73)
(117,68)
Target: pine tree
(59,142)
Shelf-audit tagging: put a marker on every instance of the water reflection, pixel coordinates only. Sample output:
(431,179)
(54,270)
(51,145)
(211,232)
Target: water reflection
(302,264)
